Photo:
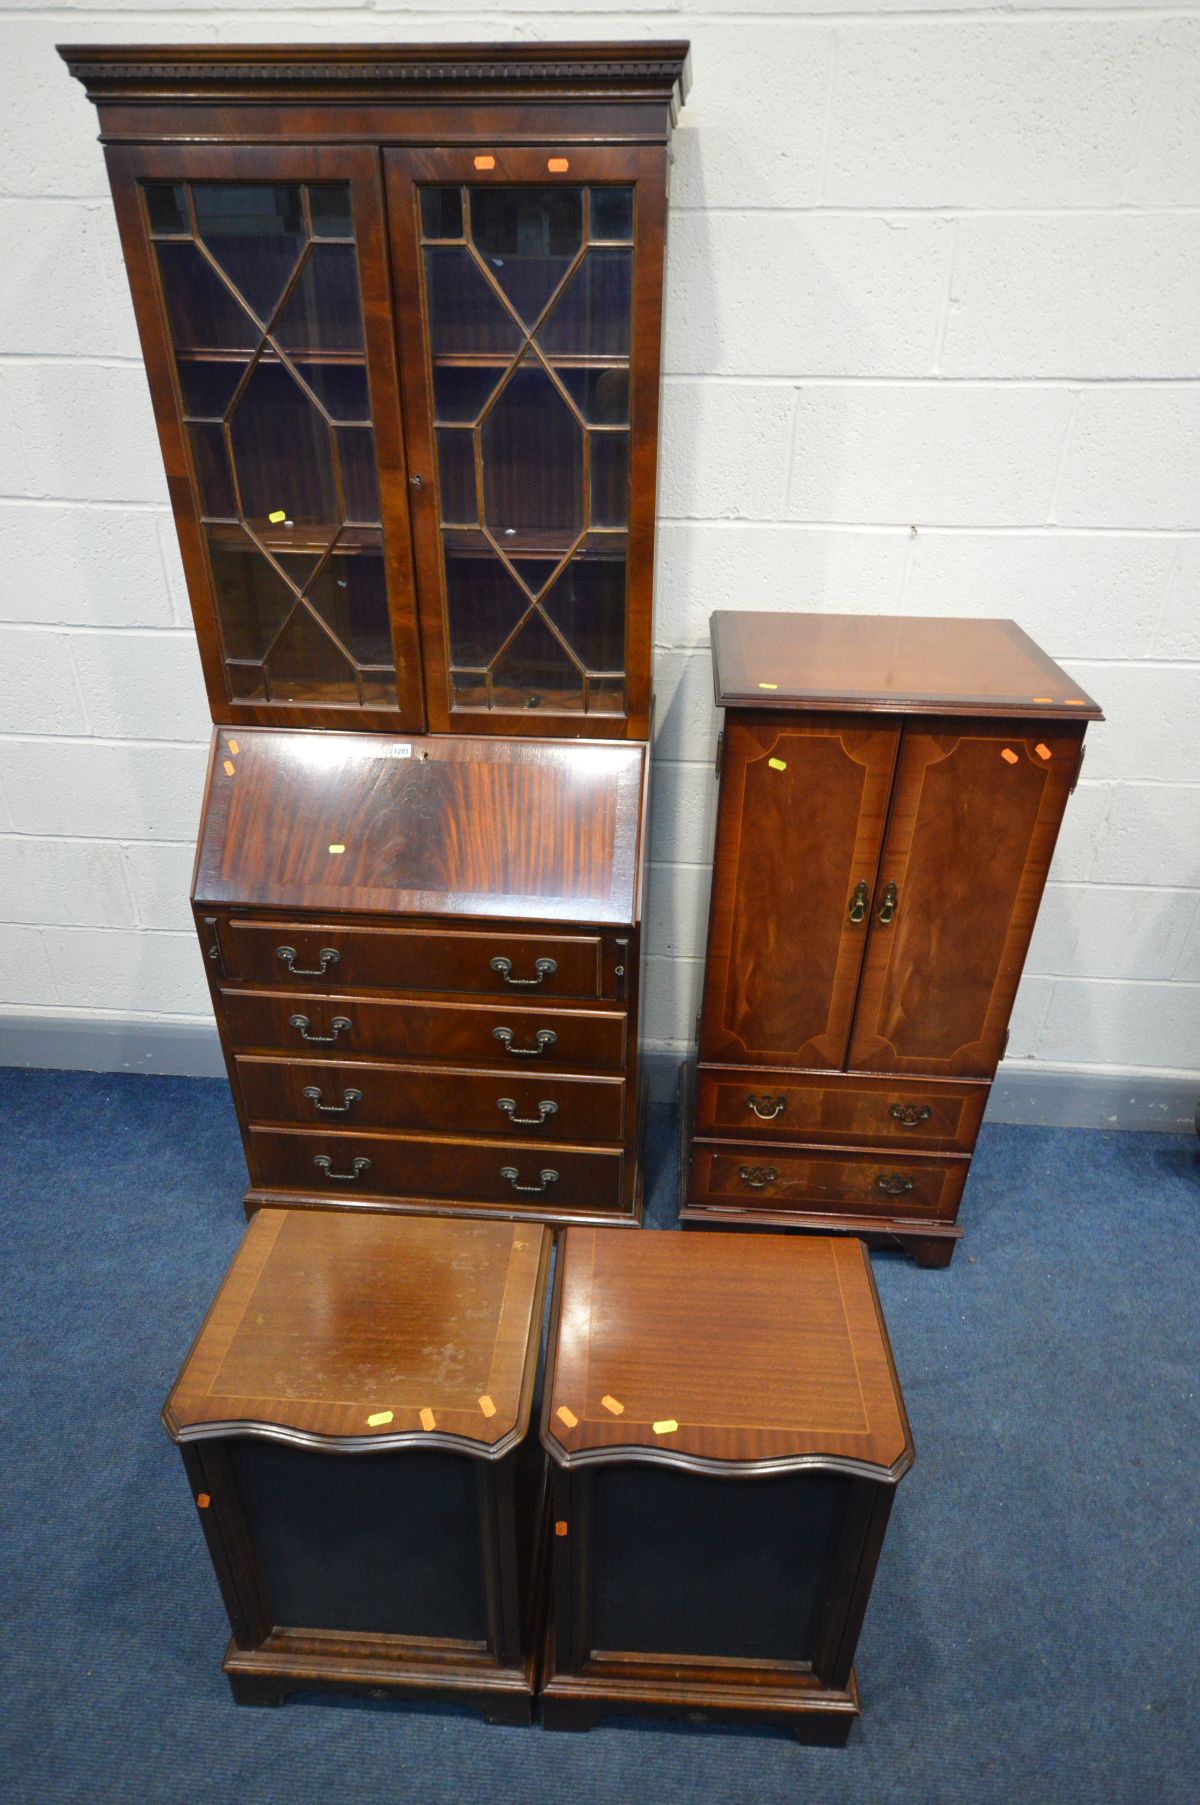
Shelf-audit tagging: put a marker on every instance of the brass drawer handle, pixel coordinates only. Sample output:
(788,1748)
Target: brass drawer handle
(546,1177)
(328,955)
(508,1105)
(350,1097)
(858,902)
(767,1108)
(757,1177)
(892,1185)
(340,1025)
(545,1037)
(544,968)
(910,1115)
(887,908)
(357,1167)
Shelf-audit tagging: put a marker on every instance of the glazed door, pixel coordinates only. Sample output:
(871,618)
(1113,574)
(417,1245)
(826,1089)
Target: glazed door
(530,292)
(801,820)
(974,817)
(260,283)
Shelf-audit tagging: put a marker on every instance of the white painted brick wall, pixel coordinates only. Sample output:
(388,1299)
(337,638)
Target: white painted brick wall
(932,344)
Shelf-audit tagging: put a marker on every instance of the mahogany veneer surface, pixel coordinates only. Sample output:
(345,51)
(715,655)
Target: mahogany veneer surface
(320,1334)
(434,826)
(722,1352)
(911,663)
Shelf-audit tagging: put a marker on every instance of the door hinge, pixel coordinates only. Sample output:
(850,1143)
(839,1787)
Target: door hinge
(720,749)
(1004,1044)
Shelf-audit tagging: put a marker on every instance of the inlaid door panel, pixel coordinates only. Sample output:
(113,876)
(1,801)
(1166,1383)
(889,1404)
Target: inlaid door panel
(974,817)
(260,283)
(530,284)
(788,928)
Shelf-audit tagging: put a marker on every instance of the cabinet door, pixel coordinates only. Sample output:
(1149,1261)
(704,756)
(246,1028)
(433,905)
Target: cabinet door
(799,826)
(529,285)
(974,817)
(260,283)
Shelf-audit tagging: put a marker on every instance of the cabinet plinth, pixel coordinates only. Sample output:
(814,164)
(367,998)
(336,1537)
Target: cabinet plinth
(890,794)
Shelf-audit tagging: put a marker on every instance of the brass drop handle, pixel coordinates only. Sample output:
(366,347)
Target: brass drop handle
(910,1114)
(350,1097)
(767,1108)
(340,1025)
(892,1185)
(357,1167)
(757,1177)
(858,902)
(544,968)
(545,1037)
(328,955)
(887,908)
(509,1107)
(546,1177)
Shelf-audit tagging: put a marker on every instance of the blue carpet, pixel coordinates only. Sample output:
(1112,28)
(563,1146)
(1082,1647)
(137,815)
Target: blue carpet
(1033,1634)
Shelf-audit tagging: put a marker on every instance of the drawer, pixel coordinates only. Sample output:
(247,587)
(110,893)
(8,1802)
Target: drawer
(342,1167)
(770,1179)
(840,1109)
(304,955)
(555,1107)
(341,1027)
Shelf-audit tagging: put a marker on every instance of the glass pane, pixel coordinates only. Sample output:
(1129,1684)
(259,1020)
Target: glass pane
(360,483)
(441,212)
(484,606)
(306,666)
(207,384)
(606,695)
(610,478)
(468,689)
(456,478)
(212,472)
(341,388)
(329,209)
(612,213)
(464,312)
(602,396)
(253,599)
(255,232)
(350,595)
(202,313)
(536,672)
(166,207)
(323,311)
(379,688)
(592,317)
(587,605)
(461,391)
(527,237)
(532,459)
(247,682)
(282,451)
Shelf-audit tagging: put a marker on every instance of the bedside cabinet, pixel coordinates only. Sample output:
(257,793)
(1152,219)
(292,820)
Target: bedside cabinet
(354,1418)
(726,1432)
(890,794)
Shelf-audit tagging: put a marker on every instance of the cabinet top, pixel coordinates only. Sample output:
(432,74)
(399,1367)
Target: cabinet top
(363,1331)
(909,664)
(439,825)
(721,1353)
(281,72)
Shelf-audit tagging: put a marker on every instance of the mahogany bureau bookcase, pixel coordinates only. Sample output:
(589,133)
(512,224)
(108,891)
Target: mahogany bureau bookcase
(891,790)
(726,1433)
(401,311)
(354,1418)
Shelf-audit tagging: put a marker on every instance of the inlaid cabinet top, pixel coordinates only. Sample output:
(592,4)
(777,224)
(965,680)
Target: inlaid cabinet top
(370,1331)
(439,825)
(719,1352)
(896,663)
